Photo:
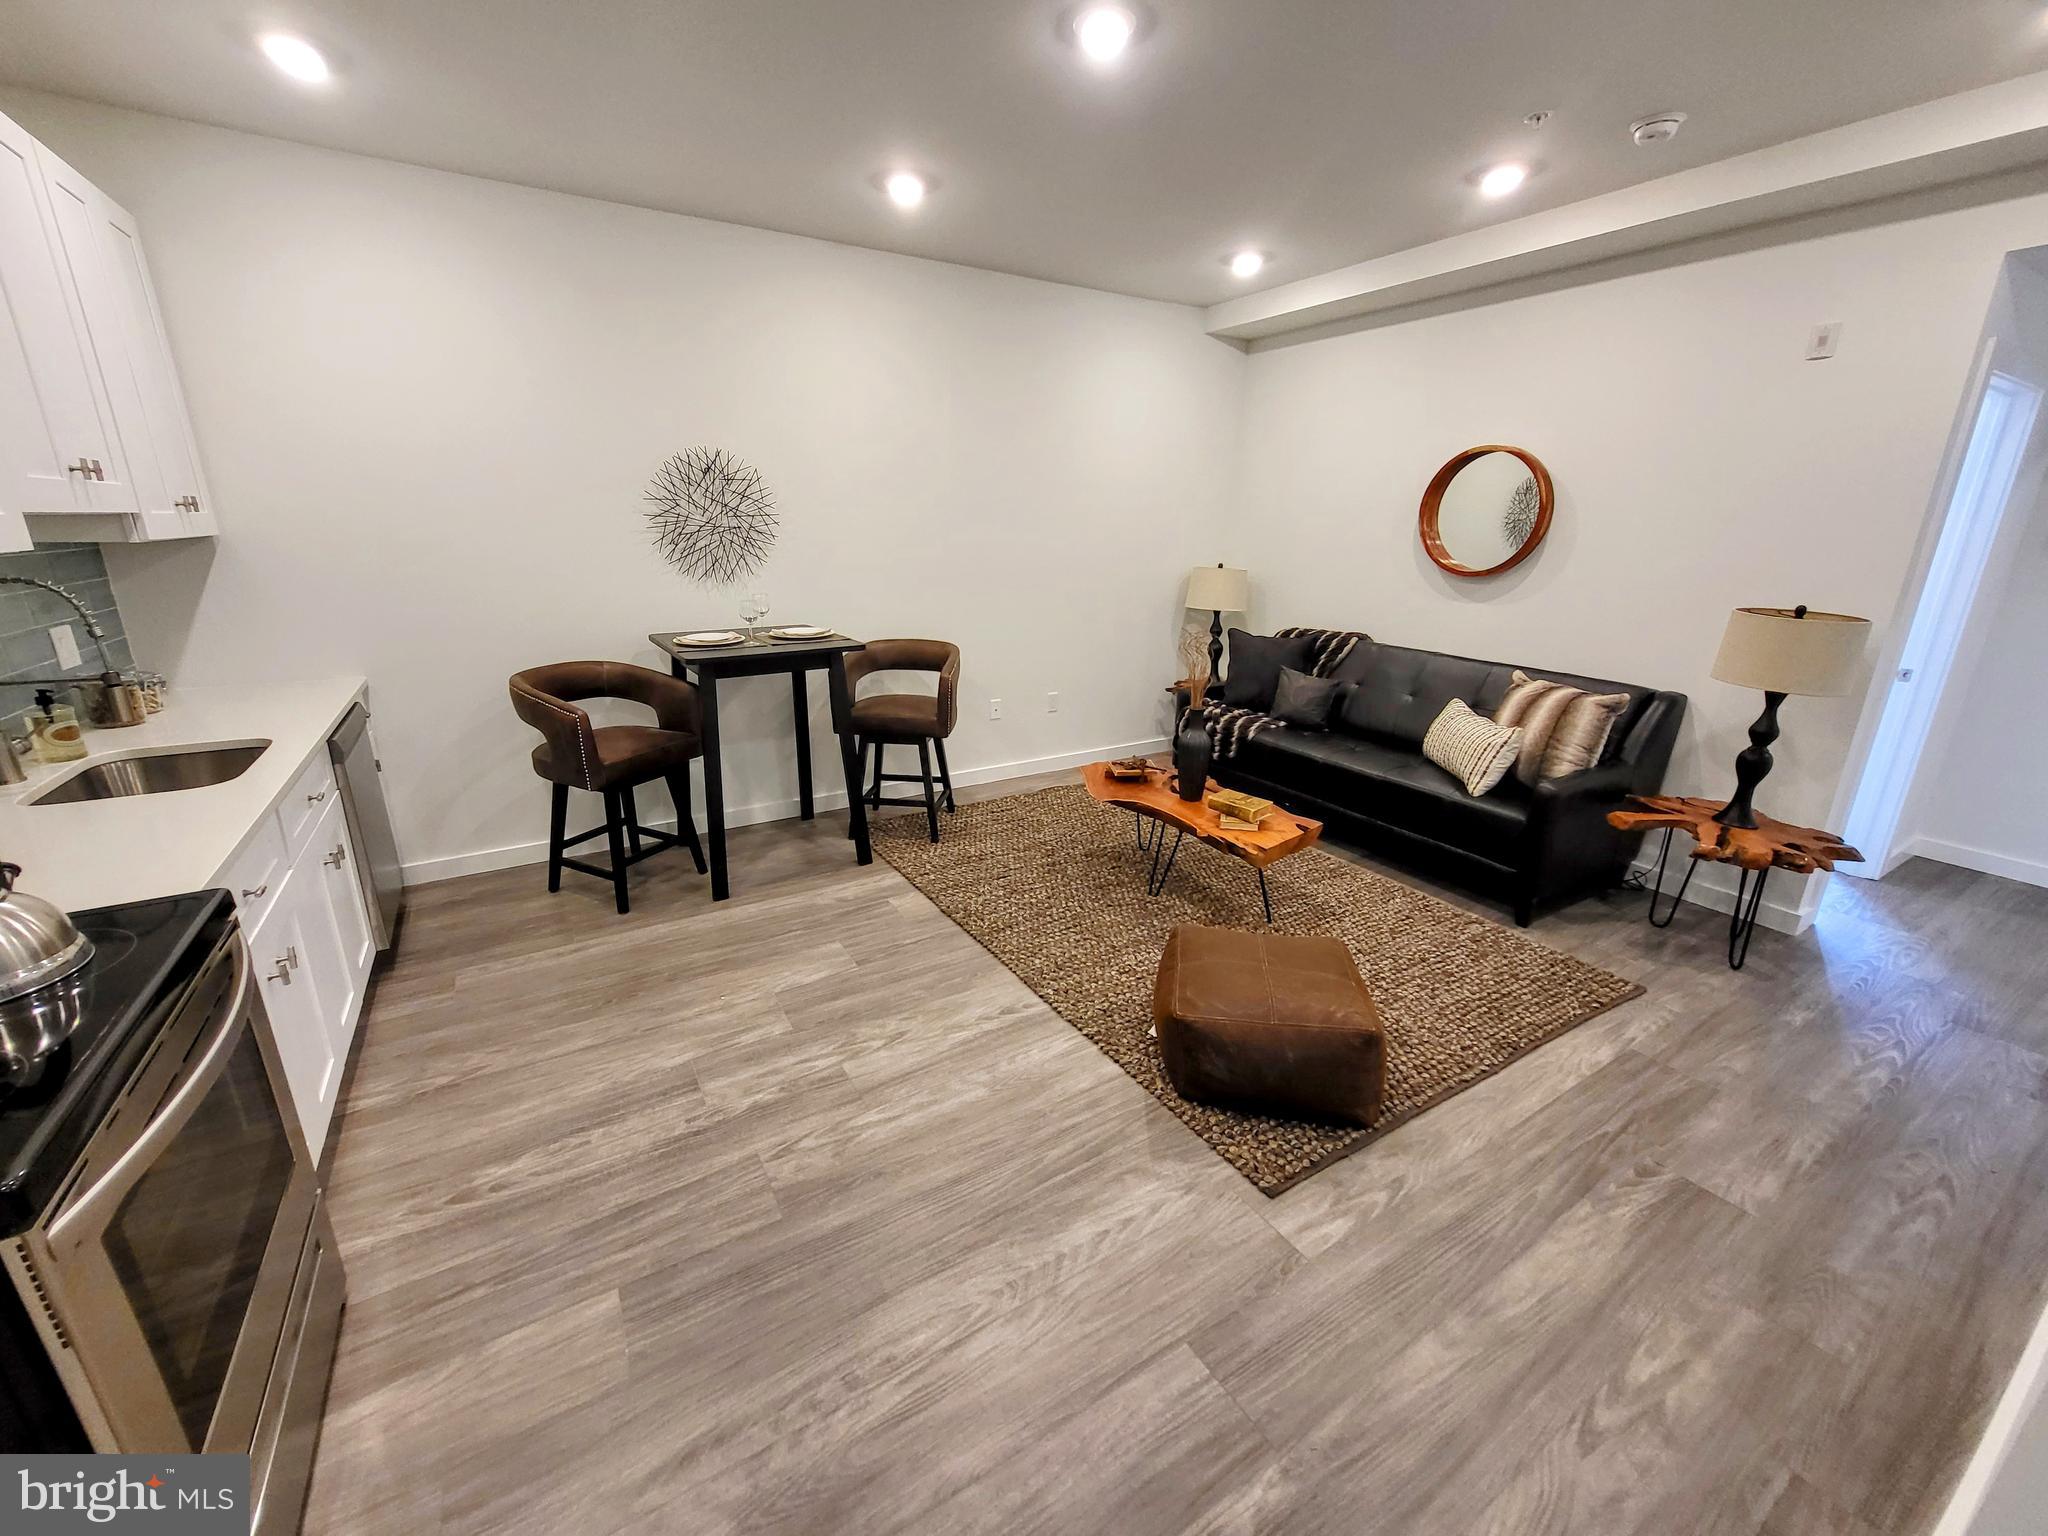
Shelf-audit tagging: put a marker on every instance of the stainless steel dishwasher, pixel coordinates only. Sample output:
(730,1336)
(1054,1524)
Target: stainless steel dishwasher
(356,770)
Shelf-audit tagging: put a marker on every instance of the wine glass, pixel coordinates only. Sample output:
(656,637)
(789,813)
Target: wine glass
(751,608)
(760,604)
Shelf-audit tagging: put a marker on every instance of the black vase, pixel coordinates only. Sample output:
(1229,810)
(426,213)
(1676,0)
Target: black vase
(1192,751)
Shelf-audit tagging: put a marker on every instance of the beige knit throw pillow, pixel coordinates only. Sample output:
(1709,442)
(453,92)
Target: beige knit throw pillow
(1564,728)
(1471,748)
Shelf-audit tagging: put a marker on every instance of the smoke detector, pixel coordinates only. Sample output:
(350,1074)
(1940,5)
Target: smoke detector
(1656,129)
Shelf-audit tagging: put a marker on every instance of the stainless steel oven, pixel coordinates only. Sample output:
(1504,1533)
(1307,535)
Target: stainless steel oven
(184,1277)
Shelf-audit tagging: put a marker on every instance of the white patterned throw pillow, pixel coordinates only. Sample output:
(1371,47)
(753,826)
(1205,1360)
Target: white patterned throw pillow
(1471,748)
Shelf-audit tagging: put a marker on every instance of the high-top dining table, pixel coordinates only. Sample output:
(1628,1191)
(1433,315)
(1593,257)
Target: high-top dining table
(757,656)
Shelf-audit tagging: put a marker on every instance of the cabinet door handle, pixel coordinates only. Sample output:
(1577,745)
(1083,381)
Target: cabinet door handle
(316,799)
(337,858)
(292,954)
(283,972)
(257,894)
(89,468)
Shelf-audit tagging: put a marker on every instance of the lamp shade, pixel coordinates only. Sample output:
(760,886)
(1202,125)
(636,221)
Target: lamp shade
(1218,588)
(1788,650)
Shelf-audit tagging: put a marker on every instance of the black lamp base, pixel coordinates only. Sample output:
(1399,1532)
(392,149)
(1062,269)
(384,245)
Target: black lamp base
(1215,646)
(1751,764)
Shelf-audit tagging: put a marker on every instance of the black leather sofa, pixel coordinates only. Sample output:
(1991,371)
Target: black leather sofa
(1367,779)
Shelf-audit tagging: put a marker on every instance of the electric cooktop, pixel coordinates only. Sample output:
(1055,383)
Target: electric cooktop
(145,955)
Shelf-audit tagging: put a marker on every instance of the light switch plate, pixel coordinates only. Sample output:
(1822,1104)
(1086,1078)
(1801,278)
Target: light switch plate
(1821,344)
(65,644)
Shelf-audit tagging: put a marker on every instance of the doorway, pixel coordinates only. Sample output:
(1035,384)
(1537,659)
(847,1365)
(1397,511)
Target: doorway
(1977,505)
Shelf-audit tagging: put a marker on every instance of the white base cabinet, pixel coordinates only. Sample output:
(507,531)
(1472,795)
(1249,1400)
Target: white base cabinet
(309,939)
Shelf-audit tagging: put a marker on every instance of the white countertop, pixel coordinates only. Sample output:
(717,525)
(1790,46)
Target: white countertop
(94,853)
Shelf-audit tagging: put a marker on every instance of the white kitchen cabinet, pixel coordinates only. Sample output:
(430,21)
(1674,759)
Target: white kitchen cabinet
(106,451)
(282,949)
(58,452)
(342,948)
(312,948)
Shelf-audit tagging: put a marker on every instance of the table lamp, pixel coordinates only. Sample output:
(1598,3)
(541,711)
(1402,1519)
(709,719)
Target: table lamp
(1782,651)
(1221,590)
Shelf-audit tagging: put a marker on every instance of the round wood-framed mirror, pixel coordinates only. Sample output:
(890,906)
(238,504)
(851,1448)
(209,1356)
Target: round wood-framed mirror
(1486,510)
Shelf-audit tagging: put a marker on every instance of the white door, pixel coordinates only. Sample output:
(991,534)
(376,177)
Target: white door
(142,488)
(177,505)
(339,943)
(281,950)
(56,442)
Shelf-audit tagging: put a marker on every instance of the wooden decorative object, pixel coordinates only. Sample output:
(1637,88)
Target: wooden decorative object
(1277,835)
(1432,507)
(1770,844)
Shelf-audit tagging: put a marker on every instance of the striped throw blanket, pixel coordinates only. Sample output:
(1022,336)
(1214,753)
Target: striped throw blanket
(1230,726)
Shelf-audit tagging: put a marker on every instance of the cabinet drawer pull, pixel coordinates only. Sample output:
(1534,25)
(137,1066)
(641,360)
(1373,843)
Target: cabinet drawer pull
(257,894)
(316,799)
(337,858)
(292,954)
(283,972)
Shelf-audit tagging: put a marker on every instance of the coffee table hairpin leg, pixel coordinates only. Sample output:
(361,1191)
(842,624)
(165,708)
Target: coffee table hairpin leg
(1741,922)
(1155,880)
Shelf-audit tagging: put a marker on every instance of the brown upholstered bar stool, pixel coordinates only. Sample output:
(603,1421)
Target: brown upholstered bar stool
(903,719)
(611,760)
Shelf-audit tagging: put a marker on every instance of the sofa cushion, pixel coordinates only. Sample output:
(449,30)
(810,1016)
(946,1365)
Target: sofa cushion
(1395,786)
(1255,663)
(1399,692)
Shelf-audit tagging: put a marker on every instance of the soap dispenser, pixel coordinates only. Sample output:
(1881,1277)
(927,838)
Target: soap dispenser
(53,732)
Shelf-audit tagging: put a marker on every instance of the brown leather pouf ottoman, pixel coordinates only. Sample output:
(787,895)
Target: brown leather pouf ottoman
(1268,1022)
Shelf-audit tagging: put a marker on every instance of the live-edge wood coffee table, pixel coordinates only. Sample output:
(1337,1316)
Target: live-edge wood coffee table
(1151,799)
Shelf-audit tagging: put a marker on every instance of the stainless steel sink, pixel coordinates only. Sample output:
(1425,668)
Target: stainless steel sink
(154,773)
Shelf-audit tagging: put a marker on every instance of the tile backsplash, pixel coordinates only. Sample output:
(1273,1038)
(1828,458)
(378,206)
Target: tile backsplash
(28,613)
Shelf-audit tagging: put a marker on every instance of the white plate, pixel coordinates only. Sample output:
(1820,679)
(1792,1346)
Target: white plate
(711,637)
(800,632)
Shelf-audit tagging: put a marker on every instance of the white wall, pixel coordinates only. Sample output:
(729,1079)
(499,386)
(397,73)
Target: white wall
(1976,800)
(429,404)
(1701,463)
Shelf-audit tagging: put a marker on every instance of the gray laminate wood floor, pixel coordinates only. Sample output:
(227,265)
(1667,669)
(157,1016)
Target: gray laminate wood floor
(801,1214)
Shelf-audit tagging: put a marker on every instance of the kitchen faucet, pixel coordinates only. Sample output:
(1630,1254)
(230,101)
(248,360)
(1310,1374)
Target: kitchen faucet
(108,672)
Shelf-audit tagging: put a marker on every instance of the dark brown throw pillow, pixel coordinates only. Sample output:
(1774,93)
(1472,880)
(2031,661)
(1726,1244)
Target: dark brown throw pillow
(1305,701)
(1255,663)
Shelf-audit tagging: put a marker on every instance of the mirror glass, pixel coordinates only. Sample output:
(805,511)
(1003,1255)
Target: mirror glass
(1485,511)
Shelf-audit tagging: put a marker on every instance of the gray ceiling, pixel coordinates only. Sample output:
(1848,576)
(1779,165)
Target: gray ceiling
(1323,132)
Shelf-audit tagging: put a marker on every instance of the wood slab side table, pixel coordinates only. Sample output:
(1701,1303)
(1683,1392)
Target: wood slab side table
(1757,850)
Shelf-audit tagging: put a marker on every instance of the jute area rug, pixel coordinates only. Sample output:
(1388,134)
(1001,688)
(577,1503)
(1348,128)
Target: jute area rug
(1053,885)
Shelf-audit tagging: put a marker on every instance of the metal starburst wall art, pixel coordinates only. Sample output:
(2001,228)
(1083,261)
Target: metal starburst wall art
(712,517)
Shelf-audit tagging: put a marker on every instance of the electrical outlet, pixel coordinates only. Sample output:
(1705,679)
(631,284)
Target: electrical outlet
(995,709)
(1823,341)
(1052,703)
(65,644)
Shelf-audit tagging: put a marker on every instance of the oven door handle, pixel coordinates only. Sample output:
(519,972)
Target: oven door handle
(179,1105)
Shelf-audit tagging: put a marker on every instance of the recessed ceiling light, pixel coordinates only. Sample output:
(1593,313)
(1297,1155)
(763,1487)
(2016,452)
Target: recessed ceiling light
(906,189)
(1104,32)
(1503,179)
(295,56)
(1247,263)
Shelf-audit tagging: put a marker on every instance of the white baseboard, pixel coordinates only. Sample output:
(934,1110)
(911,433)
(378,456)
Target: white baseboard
(426,871)
(1983,860)
(1713,887)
